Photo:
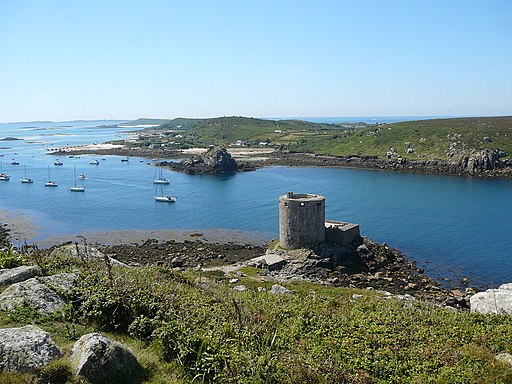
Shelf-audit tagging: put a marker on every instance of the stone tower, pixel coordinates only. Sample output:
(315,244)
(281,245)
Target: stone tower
(301,219)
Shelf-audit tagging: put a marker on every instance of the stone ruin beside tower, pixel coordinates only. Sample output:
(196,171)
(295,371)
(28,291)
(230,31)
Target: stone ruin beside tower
(302,222)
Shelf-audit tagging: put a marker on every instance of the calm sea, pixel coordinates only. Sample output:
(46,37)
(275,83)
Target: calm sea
(454,226)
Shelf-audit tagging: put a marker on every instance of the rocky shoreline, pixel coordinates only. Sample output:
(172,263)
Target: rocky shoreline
(364,264)
(485,163)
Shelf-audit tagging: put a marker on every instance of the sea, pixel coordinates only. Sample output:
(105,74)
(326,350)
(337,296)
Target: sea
(453,226)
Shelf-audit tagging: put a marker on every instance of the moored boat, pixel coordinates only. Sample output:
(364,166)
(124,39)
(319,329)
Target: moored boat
(76,188)
(26,180)
(161,179)
(50,182)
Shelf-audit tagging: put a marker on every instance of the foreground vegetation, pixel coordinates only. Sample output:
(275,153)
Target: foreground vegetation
(431,139)
(193,327)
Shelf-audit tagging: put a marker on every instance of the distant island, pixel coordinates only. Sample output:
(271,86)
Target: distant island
(478,146)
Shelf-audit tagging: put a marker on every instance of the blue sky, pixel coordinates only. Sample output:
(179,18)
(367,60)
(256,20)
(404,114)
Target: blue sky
(62,60)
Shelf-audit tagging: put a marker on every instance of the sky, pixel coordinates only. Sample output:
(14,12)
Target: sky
(124,59)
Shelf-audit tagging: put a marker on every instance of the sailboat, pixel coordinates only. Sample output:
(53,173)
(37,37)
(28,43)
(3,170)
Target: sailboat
(50,183)
(26,180)
(58,162)
(76,188)
(162,197)
(3,176)
(161,179)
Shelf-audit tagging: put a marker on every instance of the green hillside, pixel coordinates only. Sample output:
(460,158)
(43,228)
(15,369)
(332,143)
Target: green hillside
(428,138)
(145,121)
(179,123)
(424,139)
(226,130)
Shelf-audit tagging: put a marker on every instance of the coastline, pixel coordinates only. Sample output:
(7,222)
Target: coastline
(372,266)
(265,157)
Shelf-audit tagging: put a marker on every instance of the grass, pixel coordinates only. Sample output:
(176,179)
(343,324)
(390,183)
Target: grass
(192,327)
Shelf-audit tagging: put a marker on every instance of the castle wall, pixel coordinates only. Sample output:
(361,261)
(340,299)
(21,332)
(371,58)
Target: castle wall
(301,220)
(340,232)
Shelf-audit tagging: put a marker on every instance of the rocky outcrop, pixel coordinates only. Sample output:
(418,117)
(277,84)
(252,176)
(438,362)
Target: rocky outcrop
(100,359)
(38,292)
(478,161)
(362,264)
(84,252)
(482,163)
(26,349)
(215,160)
(493,300)
(15,275)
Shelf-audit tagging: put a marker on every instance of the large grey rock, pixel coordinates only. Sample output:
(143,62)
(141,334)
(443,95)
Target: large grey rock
(26,349)
(38,292)
(493,300)
(504,358)
(279,289)
(83,252)
(99,359)
(15,275)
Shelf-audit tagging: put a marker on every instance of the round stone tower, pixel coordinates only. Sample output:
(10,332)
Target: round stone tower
(301,219)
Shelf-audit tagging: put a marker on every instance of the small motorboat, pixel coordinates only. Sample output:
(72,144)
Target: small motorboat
(58,162)
(4,177)
(15,162)
(82,176)
(94,162)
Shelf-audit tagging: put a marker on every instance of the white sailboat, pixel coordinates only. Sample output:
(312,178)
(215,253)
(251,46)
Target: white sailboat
(3,176)
(161,179)
(76,188)
(163,197)
(49,182)
(26,180)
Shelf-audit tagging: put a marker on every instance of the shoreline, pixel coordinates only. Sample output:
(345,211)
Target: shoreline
(266,157)
(384,268)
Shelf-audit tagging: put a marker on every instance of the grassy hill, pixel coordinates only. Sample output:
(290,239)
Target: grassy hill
(145,121)
(193,327)
(226,130)
(179,123)
(429,138)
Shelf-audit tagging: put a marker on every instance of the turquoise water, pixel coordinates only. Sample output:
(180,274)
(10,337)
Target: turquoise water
(452,225)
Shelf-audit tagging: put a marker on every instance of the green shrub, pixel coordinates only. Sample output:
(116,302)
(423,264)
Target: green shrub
(9,258)
(57,372)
